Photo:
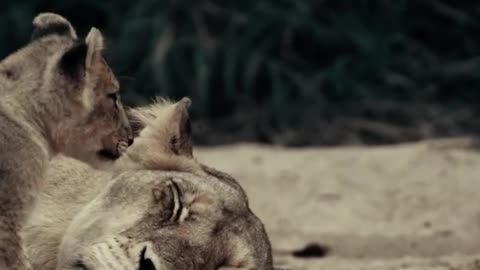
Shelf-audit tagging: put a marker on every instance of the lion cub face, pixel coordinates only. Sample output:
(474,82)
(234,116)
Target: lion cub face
(68,90)
(107,132)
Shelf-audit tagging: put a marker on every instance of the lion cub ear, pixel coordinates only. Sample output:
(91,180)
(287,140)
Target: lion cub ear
(83,57)
(46,24)
(95,45)
(82,61)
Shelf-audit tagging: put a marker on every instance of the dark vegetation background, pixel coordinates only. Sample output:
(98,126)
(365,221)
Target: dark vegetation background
(291,72)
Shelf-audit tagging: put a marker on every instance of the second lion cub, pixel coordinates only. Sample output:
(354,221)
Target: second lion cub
(56,92)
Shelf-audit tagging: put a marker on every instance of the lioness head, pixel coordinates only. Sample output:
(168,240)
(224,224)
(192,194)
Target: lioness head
(169,221)
(67,89)
(177,216)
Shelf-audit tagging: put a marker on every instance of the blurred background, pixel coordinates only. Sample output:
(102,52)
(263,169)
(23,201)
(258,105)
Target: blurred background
(289,72)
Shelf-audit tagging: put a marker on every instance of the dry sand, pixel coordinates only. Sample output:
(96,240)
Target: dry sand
(410,206)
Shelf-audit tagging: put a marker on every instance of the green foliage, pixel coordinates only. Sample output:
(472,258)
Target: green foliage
(292,72)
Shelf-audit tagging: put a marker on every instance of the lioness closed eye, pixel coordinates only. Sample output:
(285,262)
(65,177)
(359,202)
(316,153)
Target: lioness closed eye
(58,95)
(178,221)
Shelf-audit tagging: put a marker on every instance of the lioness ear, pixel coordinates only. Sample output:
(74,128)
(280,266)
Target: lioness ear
(168,124)
(45,24)
(181,129)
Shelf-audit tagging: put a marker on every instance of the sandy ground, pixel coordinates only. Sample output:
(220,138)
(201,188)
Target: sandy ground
(412,206)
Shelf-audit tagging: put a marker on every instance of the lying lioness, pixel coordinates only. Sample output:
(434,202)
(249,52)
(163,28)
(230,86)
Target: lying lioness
(156,208)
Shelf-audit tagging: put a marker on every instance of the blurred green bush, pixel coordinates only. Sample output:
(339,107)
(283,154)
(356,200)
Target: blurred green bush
(293,72)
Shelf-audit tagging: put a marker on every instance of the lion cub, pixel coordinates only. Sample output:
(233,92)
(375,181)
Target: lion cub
(55,93)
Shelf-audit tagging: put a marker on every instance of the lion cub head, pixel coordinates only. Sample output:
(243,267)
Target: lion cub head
(65,89)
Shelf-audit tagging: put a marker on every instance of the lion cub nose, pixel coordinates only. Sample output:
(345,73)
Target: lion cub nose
(130,141)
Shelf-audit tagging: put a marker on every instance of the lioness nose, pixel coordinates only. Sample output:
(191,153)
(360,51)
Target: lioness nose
(145,263)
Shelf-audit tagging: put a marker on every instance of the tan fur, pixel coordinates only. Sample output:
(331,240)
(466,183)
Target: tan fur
(86,217)
(166,129)
(48,90)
